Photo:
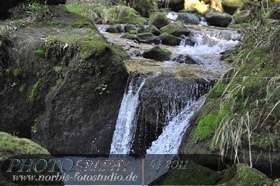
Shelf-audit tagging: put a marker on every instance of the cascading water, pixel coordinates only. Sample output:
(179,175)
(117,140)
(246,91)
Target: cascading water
(125,125)
(170,139)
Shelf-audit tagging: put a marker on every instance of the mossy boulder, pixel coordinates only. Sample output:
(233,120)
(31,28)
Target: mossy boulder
(157,53)
(152,29)
(169,39)
(124,15)
(159,20)
(69,88)
(12,146)
(215,18)
(176,29)
(248,176)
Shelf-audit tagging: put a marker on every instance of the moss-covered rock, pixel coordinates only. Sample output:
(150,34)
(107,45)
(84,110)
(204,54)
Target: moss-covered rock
(123,14)
(248,176)
(215,18)
(11,146)
(176,29)
(70,85)
(152,29)
(157,53)
(159,20)
(169,39)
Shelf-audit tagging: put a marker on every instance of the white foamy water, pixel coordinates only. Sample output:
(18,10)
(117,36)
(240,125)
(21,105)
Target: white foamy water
(170,139)
(125,125)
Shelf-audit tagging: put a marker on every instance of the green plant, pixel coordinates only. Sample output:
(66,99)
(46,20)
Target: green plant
(104,89)
(17,72)
(40,52)
(22,88)
(34,129)
(34,92)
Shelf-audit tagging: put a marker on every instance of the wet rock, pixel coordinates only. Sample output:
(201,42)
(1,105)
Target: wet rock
(169,39)
(162,98)
(215,18)
(130,28)
(157,53)
(114,28)
(187,59)
(159,20)
(188,18)
(143,38)
(176,29)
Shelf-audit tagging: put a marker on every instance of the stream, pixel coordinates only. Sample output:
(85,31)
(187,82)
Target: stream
(135,134)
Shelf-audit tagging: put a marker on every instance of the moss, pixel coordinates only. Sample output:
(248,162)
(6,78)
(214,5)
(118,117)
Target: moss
(248,176)
(17,72)
(10,145)
(22,88)
(93,48)
(34,92)
(83,23)
(123,14)
(40,52)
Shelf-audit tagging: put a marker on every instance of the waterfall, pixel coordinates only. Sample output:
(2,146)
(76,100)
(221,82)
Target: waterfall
(170,139)
(125,125)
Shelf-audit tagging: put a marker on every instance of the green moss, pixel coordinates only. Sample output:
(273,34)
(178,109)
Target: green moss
(123,14)
(34,92)
(83,23)
(248,176)
(40,52)
(17,72)
(10,146)
(93,48)
(22,88)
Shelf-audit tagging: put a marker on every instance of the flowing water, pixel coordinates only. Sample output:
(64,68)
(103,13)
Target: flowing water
(209,42)
(125,125)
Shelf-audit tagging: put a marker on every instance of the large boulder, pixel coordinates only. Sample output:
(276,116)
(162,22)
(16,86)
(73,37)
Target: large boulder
(169,39)
(159,20)
(12,147)
(176,29)
(188,18)
(122,14)
(215,18)
(157,53)
(68,83)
